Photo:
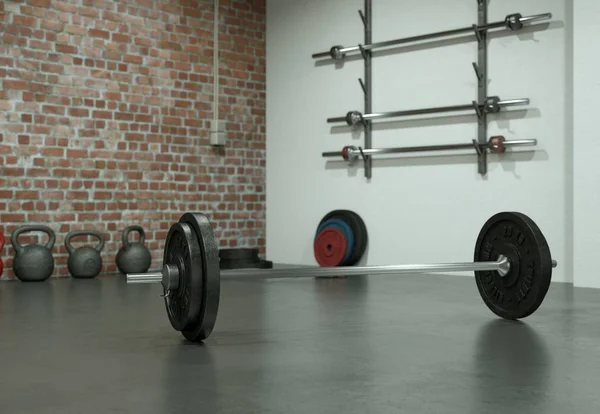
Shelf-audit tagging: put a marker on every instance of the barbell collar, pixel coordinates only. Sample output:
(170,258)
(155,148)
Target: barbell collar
(142,278)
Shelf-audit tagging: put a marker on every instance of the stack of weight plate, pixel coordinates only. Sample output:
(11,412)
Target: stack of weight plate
(341,239)
(242,258)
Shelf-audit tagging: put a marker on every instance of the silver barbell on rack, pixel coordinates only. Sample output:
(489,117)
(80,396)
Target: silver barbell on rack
(492,104)
(496,145)
(512,265)
(512,21)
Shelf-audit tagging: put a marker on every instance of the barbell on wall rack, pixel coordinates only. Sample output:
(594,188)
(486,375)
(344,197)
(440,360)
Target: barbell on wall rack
(496,145)
(492,104)
(512,264)
(512,21)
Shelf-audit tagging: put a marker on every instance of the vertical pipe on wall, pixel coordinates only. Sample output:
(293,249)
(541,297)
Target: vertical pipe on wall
(216,66)
(368,86)
(482,75)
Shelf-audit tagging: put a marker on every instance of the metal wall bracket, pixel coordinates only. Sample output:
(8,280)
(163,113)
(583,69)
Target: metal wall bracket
(477,72)
(363,18)
(362,85)
(478,109)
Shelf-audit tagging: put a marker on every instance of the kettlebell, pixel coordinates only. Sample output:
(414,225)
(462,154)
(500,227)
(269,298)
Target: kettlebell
(2,241)
(84,262)
(133,257)
(33,263)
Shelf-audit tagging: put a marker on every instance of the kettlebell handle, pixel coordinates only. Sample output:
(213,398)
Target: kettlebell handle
(93,233)
(28,228)
(128,230)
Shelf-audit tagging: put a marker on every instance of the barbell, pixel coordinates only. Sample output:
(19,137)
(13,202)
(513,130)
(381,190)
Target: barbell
(512,265)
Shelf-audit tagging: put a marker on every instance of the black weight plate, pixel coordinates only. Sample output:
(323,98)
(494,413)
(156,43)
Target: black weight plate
(245,264)
(519,293)
(239,254)
(200,329)
(359,229)
(361,236)
(182,250)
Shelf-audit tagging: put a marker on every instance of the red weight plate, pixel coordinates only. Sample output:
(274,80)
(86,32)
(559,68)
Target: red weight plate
(330,247)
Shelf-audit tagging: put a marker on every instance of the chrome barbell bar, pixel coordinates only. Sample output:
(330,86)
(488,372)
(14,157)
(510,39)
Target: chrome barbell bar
(493,105)
(167,278)
(512,21)
(495,145)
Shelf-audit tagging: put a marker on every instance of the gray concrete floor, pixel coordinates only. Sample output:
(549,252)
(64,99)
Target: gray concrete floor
(411,344)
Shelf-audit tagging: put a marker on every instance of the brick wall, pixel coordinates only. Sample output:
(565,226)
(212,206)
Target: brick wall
(104,119)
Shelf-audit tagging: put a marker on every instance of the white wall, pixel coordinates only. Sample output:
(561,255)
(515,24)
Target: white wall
(586,154)
(417,208)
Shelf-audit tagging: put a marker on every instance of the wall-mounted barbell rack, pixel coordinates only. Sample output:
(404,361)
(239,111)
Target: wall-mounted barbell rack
(482,107)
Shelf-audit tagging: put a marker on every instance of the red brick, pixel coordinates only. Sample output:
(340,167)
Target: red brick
(64,172)
(64,217)
(133,59)
(13,171)
(115,96)
(103,34)
(24,21)
(64,7)
(121,38)
(27,195)
(124,116)
(62,48)
(77,153)
(90,173)
(52,25)
(102,115)
(12,218)
(112,55)
(76,30)
(79,112)
(53,109)
(53,195)
(16,84)
(89,12)
(39,3)
(24,140)
(52,68)
(77,195)
(52,152)
(102,195)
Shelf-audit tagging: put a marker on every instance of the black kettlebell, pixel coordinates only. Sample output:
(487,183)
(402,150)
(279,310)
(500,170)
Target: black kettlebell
(33,263)
(84,262)
(133,257)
